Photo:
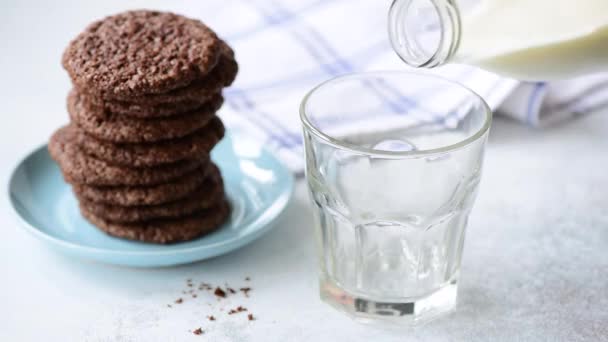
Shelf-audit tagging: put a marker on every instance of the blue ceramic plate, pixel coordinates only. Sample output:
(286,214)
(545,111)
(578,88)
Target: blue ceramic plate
(257,184)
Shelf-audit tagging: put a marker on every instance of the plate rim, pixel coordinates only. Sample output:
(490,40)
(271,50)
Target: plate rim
(265,220)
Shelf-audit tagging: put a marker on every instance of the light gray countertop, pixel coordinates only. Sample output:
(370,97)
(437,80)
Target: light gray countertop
(535,264)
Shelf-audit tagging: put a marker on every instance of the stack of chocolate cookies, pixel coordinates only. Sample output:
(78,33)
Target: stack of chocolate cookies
(147,86)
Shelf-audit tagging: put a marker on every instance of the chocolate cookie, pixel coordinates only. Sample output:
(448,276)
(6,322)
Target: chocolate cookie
(192,146)
(144,110)
(219,77)
(144,195)
(141,52)
(206,196)
(165,230)
(176,101)
(119,128)
(78,167)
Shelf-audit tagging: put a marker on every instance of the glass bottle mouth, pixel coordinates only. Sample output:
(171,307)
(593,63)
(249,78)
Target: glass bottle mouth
(424,33)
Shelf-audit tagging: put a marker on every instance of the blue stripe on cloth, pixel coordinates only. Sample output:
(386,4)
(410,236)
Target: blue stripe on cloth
(360,57)
(318,47)
(461,104)
(415,99)
(440,120)
(268,131)
(327,67)
(276,22)
(345,66)
(287,137)
(307,45)
(591,108)
(532,102)
(580,97)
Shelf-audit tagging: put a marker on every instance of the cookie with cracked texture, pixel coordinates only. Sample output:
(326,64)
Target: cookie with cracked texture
(141,52)
(165,231)
(206,196)
(197,144)
(81,168)
(118,128)
(145,195)
(177,101)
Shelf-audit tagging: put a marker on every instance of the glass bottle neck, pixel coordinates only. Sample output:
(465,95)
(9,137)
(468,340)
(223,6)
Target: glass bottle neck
(424,33)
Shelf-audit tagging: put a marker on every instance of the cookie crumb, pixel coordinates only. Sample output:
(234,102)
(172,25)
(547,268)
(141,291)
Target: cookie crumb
(250,317)
(231,290)
(219,292)
(198,331)
(247,279)
(179,301)
(194,295)
(245,290)
(237,310)
(211,318)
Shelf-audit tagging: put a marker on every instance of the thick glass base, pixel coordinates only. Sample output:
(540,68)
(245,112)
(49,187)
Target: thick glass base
(398,311)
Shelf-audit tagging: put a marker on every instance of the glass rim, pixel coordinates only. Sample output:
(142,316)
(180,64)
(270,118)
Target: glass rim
(308,125)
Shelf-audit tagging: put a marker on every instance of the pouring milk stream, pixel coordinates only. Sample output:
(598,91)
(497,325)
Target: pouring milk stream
(523,39)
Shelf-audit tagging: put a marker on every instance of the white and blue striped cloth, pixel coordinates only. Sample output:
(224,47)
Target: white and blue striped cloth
(285,47)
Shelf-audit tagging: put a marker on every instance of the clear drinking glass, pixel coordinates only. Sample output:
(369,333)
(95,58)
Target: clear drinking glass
(392,182)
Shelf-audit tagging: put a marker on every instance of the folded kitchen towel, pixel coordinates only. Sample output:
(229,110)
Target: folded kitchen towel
(286,47)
